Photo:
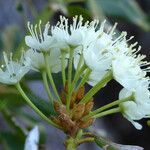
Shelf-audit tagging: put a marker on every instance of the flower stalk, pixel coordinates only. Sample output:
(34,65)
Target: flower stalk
(34,107)
(117,102)
(70,144)
(50,77)
(84,79)
(85,140)
(108,112)
(63,67)
(44,76)
(77,76)
(73,143)
(97,87)
(71,52)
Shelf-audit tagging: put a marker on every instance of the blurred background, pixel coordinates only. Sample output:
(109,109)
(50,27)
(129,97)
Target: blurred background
(16,118)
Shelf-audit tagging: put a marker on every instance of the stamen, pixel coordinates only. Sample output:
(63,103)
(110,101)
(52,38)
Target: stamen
(31,31)
(41,35)
(80,22)
(35,31)
(11,63)
(102,26)
(7,62)
(120,38)
(113,28)
(66,25)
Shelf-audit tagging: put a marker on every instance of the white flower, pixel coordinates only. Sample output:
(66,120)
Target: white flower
(127,69)
(95,77)
(12,71)
(76,34)
(39,40)
(136,108)
(32,139)
(97,55)
(82,33)
(38,62)
(37,59)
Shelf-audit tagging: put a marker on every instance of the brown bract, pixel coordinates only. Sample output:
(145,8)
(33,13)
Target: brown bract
(72,121)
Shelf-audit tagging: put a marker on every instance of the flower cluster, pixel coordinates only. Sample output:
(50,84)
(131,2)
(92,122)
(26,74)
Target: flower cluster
(98,55)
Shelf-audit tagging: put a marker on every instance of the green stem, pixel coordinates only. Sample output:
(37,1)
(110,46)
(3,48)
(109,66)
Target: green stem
(110,105)
(97,87)
(79,67)
(88,139)
(71,52)
(84,79)
(34,107)
(50,77)
(77,76)
(108,112)
(79,63)
(70,144)
(44,76)
(88,134)
(63,68)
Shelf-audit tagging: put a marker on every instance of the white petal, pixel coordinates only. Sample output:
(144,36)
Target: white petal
(95,77)
(124,93)
(32,139)
(37,59)
(77,54)
(32,42)
(132,110)
(48,43)
(76,38)
(137,125)
(55,60)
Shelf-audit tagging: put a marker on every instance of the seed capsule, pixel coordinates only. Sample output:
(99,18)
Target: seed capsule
(73,99)
(80,93)
(85,124)
(66,86)
(78,111)
(63,96)
(68,125)
(57,107)
(88,107)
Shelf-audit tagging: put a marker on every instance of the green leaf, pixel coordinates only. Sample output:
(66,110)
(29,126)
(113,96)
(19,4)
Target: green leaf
(29,120)
(44,106)
(126,9)
(95,10)
(40,103)
(37,76)
(11,141)
(77,10)
(14,124)
(11,101)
